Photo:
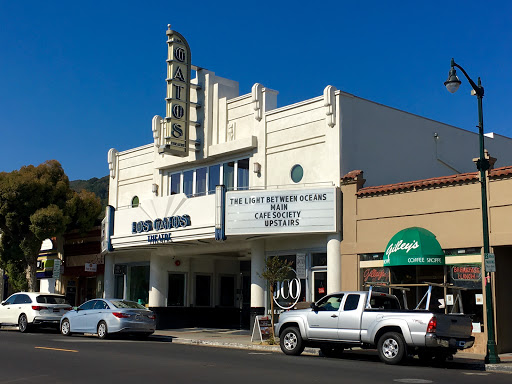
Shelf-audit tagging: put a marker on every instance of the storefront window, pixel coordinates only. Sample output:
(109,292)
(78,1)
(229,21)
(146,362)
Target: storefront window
(227,291)
(213,178)
(319,259)
(188,183)
(175,183)
(468,277)
(176,291)
(228,173)
(200,182)
(203,290)
(119,286)
(243,174)
(319,284)
(139,283)
(375,277)
(293,289)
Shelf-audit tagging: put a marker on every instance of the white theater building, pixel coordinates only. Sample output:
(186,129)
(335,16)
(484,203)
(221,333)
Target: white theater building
(193,252)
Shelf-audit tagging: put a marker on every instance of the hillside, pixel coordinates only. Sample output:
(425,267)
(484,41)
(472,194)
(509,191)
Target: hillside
(98,186)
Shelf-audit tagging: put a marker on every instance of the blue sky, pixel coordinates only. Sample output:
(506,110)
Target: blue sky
(78,78)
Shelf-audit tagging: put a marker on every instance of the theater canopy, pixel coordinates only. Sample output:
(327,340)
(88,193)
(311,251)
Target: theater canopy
(413,246)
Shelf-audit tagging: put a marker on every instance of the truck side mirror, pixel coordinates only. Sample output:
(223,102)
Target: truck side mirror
(314,307)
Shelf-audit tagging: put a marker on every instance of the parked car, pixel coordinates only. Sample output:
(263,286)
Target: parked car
(373,320)
(30,309)
(107,316)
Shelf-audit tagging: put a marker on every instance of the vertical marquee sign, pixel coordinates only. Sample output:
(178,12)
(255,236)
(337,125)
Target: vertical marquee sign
(178,95)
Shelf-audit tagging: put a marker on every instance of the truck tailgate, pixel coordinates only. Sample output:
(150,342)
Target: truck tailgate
(457,326)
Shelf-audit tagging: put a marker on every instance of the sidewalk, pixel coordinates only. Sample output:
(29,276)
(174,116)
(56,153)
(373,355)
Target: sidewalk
(241,339)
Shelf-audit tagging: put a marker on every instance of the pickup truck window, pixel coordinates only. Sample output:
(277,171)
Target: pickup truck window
(351,302)
(330,303)
(384,302)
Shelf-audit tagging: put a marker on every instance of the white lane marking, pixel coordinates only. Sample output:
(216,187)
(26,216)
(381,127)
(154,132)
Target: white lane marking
(477,373)
(259,353)
(413,381)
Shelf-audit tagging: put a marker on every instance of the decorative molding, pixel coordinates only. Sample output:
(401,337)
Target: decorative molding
(231,131)
(112,154)
(257,99)
(330,105)
(157,126)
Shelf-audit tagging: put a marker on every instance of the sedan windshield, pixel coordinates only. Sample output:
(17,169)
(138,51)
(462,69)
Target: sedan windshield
(126,304)
(51,299)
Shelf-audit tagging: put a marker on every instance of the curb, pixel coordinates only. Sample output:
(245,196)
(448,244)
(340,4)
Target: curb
(254,347)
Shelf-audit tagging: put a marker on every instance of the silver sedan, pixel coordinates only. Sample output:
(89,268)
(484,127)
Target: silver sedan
(107,316)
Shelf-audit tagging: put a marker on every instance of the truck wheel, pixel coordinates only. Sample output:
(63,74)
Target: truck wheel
(391,348)
(331,351)
(291,342)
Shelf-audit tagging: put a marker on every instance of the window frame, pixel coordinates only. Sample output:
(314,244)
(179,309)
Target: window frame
(209,190)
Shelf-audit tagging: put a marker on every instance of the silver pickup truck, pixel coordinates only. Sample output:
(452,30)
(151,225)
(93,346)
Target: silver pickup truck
(373,320)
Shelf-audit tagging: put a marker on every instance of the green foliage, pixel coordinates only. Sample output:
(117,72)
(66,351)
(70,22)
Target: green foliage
(98,186)
(37,203)
(85,208)
(48,221)
(17,278)
(276,270)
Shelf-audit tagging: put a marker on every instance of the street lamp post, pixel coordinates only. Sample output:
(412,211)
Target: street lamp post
(452,84)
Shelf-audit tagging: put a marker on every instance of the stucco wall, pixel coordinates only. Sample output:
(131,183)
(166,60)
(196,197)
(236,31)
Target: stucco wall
(393,146)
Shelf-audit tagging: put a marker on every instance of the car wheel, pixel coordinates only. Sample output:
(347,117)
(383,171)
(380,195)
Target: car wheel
(291,342)
(331,351)
(102,330)
(23,325)
(65,328)
(391,348)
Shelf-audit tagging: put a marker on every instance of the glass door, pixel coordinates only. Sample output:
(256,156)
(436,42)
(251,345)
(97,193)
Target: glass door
(319,284)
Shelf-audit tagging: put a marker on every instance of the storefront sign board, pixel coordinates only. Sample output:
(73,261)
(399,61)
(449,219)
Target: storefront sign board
(376,275)
(179,64)
(413,246)
(56,268)
(301,265)
(262,329)
(490,262)
(286,211)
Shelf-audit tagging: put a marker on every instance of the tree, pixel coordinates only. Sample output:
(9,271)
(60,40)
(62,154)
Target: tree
(37,203)
(275,271)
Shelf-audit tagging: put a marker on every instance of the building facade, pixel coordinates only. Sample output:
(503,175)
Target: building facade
(449,208)
(232,179)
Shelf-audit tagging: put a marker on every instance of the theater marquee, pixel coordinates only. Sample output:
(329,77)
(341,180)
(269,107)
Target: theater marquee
(290,211)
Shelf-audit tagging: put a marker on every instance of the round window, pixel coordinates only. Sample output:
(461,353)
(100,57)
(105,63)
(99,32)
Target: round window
(297,173)
(135,202)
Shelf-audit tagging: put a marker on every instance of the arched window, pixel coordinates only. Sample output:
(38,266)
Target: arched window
(135,202)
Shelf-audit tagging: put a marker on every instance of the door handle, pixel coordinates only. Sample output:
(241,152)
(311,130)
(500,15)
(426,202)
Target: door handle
(333,316)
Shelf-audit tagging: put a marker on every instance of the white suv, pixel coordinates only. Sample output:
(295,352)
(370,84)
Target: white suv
(28,309)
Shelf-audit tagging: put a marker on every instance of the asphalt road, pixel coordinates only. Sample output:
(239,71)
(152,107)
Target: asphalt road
(46,357)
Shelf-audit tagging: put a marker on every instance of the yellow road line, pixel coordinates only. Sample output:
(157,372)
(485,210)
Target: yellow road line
(57,349)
